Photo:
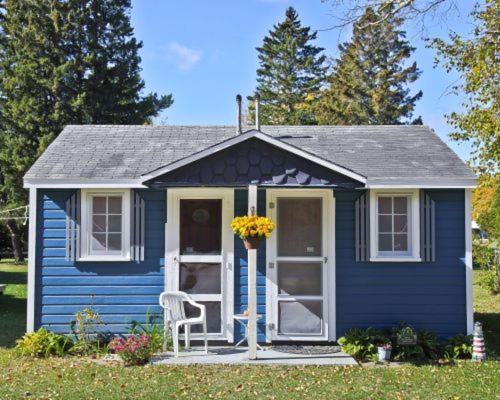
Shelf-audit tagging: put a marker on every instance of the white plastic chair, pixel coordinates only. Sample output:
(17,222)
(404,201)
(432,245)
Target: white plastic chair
(174,314)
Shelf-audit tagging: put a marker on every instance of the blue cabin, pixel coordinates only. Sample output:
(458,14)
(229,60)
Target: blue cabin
(372,228)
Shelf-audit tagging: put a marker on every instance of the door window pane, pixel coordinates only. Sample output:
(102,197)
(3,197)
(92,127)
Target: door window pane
(214,321)
(300,317)
(299,278)
(200,278)
(201,226)
(299,227)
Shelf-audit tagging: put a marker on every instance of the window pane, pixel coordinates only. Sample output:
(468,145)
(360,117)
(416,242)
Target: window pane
(98,242)
(385,242)
(99,205)
(400,205)
(401,242)
(385,223)
(201,226)
(214,321)
(299,278)
(385,205)
(115,223)
(114,205)
(98,223)
(299,227)
(300,317)
(114,242)
(200,278)
(400,223)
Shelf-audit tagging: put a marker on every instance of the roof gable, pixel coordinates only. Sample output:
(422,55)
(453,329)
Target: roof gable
(252,161)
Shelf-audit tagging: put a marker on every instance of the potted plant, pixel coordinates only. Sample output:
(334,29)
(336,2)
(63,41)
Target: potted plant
(252,228)
(384,352)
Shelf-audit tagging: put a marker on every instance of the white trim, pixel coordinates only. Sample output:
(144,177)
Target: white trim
(413,254)
(329,282)
(30,321)
(247,135)
(86,195)
(252,281)
(421,186)
(82,184)
(172,256)
(469,274)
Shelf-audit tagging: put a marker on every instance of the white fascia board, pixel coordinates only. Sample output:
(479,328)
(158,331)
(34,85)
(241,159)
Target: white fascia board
(83,184)
(421,186)
(247,135)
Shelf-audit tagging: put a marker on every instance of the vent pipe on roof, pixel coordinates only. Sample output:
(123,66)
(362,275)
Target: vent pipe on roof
(238,114)
(257,109)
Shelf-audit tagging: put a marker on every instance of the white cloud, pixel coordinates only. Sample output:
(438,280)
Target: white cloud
(185,57)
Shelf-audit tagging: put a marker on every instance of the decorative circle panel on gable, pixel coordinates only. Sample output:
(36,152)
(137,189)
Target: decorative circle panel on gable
(253,162)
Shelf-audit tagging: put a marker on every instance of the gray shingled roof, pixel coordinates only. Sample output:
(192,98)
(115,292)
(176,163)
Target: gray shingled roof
(403,154)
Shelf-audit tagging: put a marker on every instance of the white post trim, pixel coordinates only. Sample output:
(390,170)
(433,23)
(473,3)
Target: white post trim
(30,321)
(252,282)
(469,275)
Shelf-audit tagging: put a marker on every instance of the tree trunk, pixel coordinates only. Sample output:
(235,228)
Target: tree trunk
(15,237)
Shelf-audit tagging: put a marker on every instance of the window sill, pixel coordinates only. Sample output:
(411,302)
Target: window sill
(395,259)
(103,259)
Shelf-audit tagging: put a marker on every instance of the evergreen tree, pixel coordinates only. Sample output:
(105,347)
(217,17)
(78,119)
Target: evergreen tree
(291,72)
(62,62)
(369,81)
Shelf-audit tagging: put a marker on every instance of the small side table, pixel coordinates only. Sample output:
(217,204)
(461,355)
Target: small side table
(243,321)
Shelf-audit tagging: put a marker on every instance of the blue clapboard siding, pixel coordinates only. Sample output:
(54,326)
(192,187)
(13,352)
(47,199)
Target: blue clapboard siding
(120,291)
(426,295)
(241,267)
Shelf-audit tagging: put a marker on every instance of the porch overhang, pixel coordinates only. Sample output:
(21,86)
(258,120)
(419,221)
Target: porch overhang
(254,161)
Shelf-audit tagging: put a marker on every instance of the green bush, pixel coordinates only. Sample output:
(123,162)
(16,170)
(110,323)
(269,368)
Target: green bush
(362,343)
(89,341)
(43,343)
(153,328)
(458,347)
(490,279)
(483,255)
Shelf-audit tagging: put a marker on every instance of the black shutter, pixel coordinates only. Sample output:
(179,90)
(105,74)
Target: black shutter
(362,227)
(73,227)
(427,228)
(137,228)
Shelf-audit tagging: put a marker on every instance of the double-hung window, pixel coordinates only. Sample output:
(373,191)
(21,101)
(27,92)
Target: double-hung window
(105,225)
(394,226)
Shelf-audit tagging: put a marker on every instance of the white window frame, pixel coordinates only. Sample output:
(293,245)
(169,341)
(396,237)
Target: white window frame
(86,225)
(413,253)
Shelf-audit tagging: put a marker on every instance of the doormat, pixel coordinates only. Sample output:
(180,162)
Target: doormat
(306,350)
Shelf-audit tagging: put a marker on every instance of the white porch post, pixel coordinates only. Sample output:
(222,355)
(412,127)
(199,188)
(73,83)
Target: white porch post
(252,282)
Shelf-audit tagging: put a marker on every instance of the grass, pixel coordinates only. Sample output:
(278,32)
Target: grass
(76,378)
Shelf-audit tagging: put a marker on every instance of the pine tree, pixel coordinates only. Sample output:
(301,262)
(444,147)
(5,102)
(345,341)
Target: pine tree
(291,72)
(369,81)
(62,62)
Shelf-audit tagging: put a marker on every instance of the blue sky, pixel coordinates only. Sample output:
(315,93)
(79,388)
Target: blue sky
(203,52)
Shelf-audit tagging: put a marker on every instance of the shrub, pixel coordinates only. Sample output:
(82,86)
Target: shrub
(134,350)
(153,329)
(85,328)
(44,343)
(483,255)
(362,343)
(490,279)
(458,347)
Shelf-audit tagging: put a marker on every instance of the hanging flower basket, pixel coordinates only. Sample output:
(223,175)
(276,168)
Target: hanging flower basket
(251,229)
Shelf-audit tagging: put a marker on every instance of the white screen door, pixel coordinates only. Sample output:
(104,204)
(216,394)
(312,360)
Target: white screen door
(201,253)
(298,273)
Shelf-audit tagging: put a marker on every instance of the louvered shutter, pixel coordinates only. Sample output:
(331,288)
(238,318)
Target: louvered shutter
(73,207)
(427,227)
(362,227)
(137,228)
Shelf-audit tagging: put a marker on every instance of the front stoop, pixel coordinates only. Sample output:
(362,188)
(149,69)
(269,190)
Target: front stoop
(231,355)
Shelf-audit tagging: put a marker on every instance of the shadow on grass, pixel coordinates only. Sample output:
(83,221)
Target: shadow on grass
(491,329)
(15,278)
(13,319)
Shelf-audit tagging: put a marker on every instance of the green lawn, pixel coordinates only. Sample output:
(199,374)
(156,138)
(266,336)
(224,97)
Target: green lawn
(74,378)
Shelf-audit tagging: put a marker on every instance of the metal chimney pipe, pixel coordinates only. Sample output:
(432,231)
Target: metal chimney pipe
(257,109)
(238,114)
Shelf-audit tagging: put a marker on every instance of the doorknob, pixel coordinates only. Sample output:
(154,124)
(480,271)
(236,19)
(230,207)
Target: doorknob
(325,259)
